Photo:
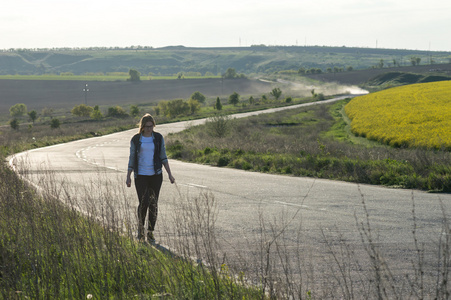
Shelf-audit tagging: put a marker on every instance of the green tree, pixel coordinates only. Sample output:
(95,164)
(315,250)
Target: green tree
(134,110)
(276,93)
(395,63)
(55,123)
(14,123)
(251,100)
(18,110)
(82,110)
(198,96)
(415,61)
(234,98)
(33,115)
(230,73)
(135,76)
(218,104)
(194,106)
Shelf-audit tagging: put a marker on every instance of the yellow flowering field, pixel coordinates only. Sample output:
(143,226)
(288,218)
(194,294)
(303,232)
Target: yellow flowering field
(417,115)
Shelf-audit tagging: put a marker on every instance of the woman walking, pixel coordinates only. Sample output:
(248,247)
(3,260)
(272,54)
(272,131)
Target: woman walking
(147,157)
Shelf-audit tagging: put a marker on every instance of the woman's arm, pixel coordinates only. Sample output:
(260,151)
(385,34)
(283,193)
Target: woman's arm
(168,169)
(131,160)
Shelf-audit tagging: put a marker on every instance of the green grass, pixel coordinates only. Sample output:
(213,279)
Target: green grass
(51,251)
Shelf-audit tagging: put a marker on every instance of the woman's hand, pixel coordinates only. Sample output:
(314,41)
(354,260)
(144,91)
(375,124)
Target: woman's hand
(128,181)
(171,178)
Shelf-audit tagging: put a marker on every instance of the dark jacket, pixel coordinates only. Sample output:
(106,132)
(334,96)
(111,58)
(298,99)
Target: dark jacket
(159,155)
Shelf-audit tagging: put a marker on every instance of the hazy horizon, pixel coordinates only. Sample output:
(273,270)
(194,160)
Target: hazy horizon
(388,24)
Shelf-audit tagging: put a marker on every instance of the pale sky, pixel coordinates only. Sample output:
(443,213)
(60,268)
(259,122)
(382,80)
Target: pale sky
(394,24)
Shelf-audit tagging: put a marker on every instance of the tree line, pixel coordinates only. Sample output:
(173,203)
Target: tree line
(166,108)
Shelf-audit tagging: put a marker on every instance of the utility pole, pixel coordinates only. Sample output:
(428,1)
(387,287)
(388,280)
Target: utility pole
(86,90)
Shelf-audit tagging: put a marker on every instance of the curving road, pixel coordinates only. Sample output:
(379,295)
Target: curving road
(250,208)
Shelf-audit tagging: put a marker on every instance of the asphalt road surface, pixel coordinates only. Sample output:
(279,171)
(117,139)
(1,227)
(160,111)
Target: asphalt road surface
(303,225)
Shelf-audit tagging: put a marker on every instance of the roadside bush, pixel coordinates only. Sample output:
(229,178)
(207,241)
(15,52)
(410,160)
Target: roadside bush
(218,125)
(116,112)
(241,163)
(96,114)
(176,149)
(14,123)
(223,161)
(82,110)
(174,108)
(134,110)
(55,123)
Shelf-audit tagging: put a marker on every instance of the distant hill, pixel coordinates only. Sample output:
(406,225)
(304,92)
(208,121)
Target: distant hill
(172,60)
(397,75)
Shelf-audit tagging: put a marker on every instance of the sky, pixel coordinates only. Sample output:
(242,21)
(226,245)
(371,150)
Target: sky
(393,24)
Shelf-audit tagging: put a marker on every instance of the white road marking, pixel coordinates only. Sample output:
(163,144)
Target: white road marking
(298,205)
(293,204)
(193,185)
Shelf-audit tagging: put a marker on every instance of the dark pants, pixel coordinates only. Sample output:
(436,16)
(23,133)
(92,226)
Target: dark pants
(148,189)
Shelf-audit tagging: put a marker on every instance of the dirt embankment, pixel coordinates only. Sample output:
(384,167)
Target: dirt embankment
(38,94)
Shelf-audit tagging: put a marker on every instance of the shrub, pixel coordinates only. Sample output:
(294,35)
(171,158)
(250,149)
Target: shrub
(223,161)
(14,123)
(174,108)
(55,123)
(82,110)
(96,114)
(134,110)
(218,125)
(116,112)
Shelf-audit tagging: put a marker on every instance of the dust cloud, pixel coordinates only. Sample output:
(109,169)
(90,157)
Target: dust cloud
(306,88)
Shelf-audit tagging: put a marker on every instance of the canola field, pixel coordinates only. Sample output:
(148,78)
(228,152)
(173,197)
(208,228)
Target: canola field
(417,115)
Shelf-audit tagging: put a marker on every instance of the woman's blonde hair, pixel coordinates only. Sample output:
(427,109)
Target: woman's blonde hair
(146,118)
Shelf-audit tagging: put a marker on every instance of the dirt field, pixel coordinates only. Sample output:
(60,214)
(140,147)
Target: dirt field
(38,94)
